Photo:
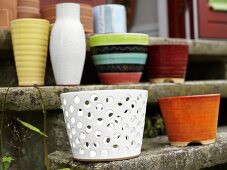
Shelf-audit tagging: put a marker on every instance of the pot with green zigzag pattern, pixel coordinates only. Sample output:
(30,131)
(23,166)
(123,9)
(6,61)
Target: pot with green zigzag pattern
(119,58)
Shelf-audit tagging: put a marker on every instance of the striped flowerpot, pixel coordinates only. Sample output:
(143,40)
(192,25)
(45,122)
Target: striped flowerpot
(30,44)
(167,63)
(28,9)
(119,58)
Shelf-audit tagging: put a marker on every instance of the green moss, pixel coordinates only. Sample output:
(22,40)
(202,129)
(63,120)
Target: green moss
(154,126)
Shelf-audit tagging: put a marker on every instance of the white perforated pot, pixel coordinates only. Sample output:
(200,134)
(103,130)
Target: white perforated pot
(105,125)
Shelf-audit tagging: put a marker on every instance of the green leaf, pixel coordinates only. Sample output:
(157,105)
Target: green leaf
(31,127)
(64,169)
(5,162)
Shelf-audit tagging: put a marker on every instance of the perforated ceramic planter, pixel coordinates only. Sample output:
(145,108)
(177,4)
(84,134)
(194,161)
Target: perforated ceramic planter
(105,125)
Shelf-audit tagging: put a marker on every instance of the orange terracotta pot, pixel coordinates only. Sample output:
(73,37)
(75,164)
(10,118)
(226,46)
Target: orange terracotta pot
(190,119)
(28,9)
(8,12)
(48,12)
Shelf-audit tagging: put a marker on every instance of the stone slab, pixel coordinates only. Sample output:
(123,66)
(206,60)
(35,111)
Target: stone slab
(156,154)
(27,98)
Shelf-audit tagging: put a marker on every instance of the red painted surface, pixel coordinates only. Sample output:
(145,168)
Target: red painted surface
(167,61)
(190,118)
(120,78)
(212,24)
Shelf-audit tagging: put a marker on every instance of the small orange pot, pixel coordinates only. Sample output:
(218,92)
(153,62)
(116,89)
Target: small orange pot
(190,119)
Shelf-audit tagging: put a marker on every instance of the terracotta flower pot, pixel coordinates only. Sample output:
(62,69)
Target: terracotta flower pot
(119,58)
(28,9)
(8,12)
(30,44)
(48,12)
(167,63)
(190,119)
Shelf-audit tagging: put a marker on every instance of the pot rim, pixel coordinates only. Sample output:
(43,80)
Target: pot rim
(190,96)
(119,39)
(102,91)
(168,45)
(29,19)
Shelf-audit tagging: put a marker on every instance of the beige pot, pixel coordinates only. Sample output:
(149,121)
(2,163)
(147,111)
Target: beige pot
(30,44)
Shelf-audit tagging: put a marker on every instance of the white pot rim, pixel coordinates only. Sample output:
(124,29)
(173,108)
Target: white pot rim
(103,91)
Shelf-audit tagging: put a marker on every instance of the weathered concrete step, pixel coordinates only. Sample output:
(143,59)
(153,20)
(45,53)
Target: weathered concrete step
(198,48)
(28,99)
(156,154)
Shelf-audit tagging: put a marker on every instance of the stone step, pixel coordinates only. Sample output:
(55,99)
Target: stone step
(199,49)
(27,98)
(156,154)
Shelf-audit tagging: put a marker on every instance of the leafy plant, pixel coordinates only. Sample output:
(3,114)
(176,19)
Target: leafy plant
(5,162)
(31,127)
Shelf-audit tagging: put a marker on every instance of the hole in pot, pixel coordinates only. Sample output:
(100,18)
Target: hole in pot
(77,141)
(76,100)
(81,151)
(92,153)
(94,97)
(126,126)
(71,108)
(106,140)
(90,115)
(98,133)
(73,131)
(127,111)
(109,100)
(99,121)
(109,113)
(117,135)
(133,143)
(79,125)
(88,129)
(82,135)
(87,145)
(115,147)
(66,113)
(96,145)
(126,137)
(110,126)
(127,98)
(73,120)
(99,107)
(87,104)
(80,112)
(120,106)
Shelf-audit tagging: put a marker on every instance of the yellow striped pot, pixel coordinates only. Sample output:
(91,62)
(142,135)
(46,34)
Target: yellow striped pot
(30,44)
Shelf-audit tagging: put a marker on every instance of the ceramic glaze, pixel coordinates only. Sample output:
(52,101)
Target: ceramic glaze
(30,45)
(167,63)
(191,119)
(110,18)
(86,16)
(119,58)
(105,125)
(28,9)
(67,45)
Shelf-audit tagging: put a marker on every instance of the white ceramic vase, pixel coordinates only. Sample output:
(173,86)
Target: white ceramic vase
(67,45)
(105,125)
